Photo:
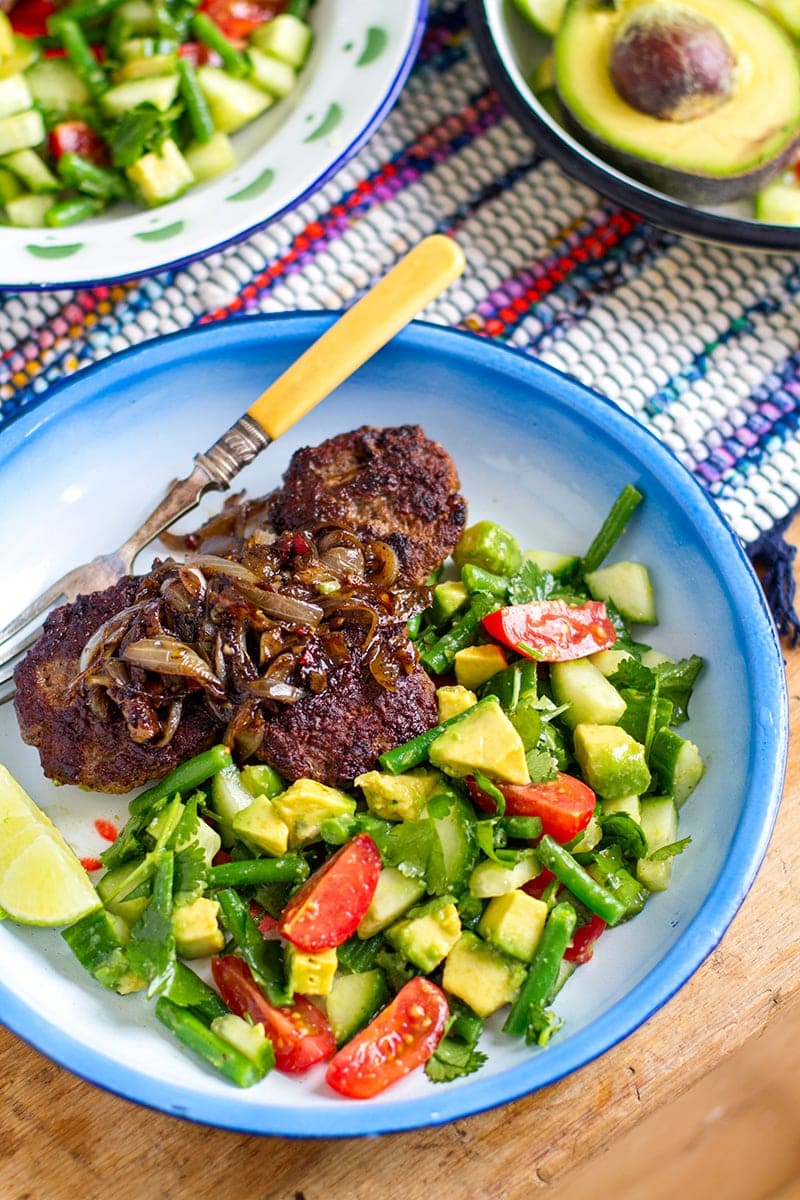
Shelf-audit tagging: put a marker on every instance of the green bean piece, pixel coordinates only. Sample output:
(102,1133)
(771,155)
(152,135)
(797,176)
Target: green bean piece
(527,828)
(88,177)
(197,109)
(439,657)
(69,212)
(541,977)
(291,868)
(84,11)
(298,8)
(265,959)
(612,528)
(185,778)
(208,1045)
(568,870)
(415,751)
(210,34)
(80,55)
(478,579)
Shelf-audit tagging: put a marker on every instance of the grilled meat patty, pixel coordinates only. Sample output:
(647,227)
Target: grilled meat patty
(333,735)
(395,484)
(75,745)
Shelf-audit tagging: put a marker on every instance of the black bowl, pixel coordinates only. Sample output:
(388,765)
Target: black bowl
(510,49)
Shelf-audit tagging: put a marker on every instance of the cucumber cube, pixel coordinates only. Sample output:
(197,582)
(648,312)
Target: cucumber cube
(55,84)
(160,91)
(233,102)
(659,821)
(32,170)
(15,95)
(274,76)
(28,211)
(588,693)
(21,131)
(286,38)
(627,585)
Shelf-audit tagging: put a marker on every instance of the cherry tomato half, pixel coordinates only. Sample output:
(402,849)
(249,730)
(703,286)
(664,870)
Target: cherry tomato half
(328,908)
(564,804)
(29,17)
(299,1032)
(552,630)
(401,1038)
(76,137)
(238,18)
(583,940)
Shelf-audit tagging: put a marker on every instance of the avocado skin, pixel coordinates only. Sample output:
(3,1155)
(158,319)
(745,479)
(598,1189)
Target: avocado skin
(693,187)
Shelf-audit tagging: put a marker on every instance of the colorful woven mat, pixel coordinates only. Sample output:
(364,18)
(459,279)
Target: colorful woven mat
(699,342)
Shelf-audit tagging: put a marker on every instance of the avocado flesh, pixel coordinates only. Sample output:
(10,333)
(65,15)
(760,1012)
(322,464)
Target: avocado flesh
(716,158)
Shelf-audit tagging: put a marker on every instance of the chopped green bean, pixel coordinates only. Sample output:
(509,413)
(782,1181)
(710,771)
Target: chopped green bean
(80,54)
(85,176)
(439,657)
(478,579)
(541,977)
(197,109)
(188,990)
(612,528)
(76,208)
(568,870)
(185,778)
(213,1049)
(210,34)
(291,868)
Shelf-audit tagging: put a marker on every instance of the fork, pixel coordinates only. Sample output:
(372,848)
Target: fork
(383,311)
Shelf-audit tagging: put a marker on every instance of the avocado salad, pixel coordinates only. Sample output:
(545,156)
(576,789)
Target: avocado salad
(110,100)
(469,873)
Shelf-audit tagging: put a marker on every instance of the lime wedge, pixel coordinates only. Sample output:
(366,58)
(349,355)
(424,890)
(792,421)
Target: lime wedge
(42,881)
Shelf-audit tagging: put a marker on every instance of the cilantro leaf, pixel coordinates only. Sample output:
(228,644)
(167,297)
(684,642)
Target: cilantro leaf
(676,681)
(543,1022)
(530,583)
(670,851)
(138,131)
(452,1060)
(190,871)
(620,829)
(408,847)
(151,949)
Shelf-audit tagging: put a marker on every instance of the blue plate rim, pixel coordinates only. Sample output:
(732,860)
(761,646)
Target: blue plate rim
(349,151)
(661,210)
(701,935)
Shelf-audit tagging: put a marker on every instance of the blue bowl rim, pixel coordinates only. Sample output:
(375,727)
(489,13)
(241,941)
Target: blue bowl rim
(701,935)
(661,210)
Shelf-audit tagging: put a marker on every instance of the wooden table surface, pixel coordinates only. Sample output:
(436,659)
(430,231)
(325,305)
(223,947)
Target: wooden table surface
(63,1139)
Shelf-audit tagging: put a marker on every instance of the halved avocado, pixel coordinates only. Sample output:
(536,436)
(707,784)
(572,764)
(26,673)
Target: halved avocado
(714,158)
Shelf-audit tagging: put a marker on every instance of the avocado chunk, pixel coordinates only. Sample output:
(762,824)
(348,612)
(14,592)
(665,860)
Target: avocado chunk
(483,740)
(486,544)
(482,976)
(629,76)
(398,797)
(514,923)
(196,928)
(426,936)
(260,826)
(613,763)
(310,974)
(475,664)
(452,699)
(306,804)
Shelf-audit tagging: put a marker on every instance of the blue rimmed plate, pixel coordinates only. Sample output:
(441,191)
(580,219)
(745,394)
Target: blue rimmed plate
(540,454)
(360,59)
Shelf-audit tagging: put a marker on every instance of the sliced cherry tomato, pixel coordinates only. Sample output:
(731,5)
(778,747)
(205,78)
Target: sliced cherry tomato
(199,55)
(29,17)
(583,940)
(401,1038)
(536,887)
(76,137)
(552,630)
(328,908)
(564,804)
(238,18)
(299,1032)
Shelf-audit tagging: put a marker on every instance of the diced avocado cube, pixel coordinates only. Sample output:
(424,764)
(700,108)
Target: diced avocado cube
(607,661)
(285,37)
(353,1001)
(613,763)
(491,878)
(160,176)
(233,102)
(394,895)
(482,976)
(310,974)
(196,928)
(488,545)
(482,740)
(590,696)
(452,700)
(628,586)
(475,664)
(398,797)
(250,1039)
(425,939)
(260,826)
(551,560)
(212,158)
(306,804)
(514,923)
(448,598)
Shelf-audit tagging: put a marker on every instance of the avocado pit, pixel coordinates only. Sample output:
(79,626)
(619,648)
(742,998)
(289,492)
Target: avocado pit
(671,63)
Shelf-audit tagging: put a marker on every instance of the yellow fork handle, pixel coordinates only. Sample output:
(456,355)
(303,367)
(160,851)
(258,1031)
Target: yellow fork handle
(399,296)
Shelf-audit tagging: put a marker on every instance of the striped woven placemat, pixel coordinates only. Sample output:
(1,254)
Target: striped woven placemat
(699,342)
